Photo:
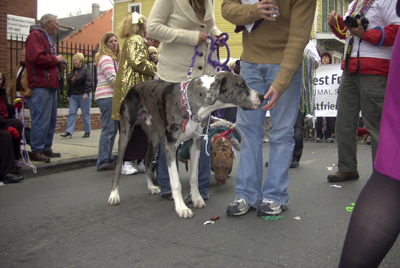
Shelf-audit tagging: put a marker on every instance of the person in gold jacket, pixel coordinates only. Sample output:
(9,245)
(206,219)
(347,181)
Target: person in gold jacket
(134,67)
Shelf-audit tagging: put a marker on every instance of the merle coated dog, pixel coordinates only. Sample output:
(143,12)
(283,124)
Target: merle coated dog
(157,106)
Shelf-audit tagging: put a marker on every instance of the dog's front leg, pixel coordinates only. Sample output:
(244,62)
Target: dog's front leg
(195,148)
(180,207)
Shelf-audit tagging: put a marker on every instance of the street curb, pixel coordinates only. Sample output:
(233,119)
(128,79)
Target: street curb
(59,166)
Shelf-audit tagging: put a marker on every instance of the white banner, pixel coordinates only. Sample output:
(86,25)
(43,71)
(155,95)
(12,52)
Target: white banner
(326,83)
(17,25)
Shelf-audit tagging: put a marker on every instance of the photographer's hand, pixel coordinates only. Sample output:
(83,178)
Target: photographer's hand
(357,31)
(60,58)
(332,18)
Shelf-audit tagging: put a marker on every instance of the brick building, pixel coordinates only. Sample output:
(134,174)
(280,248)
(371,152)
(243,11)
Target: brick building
(23,8)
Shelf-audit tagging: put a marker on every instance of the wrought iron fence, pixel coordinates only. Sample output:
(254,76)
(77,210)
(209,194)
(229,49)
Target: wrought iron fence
(68,50)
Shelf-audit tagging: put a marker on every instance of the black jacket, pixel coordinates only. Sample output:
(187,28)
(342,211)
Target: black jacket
(10,107)
(79,81)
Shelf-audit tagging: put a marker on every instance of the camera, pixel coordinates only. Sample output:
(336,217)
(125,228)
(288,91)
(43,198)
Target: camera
(65,63)
(351,21)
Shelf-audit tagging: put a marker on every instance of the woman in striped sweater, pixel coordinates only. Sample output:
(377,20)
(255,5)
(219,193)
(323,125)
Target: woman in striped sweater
(107,65)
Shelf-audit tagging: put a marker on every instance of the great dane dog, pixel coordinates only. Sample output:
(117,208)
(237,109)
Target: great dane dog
(180,115)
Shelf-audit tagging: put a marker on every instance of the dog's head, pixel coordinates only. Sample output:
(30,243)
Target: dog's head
(222,162)
(232,89)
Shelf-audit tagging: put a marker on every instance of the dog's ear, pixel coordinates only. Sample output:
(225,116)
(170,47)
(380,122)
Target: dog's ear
(215,87)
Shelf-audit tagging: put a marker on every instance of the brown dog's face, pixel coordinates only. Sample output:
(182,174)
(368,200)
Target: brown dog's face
(222,161)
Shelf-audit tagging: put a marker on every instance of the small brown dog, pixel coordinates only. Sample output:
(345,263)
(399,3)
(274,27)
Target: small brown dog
(222,157)
(224,137)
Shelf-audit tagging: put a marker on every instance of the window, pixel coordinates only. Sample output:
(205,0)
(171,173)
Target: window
(327,7)
(135,8)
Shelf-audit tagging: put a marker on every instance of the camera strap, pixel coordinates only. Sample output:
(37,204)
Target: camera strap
(347,58)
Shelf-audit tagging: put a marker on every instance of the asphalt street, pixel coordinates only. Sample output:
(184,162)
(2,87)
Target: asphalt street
(63,220)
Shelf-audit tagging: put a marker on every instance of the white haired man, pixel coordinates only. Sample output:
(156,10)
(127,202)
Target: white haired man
(43,67)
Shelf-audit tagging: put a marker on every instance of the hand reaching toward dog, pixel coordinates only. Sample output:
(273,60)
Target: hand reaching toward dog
(274,94)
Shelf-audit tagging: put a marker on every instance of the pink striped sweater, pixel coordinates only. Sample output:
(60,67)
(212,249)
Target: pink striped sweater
(106,73)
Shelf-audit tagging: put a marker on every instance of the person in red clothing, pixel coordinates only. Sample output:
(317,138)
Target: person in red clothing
(370,28)
(10,139)
(43,66)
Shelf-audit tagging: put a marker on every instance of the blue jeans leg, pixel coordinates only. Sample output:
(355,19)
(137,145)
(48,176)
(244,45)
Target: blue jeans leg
(29,104)
(250,124)
(204,168)
(108,133)
(44,118)
(73,109)
(85,105)
(283,117)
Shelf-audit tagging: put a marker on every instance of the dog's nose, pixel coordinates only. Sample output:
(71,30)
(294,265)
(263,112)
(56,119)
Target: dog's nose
(260,97)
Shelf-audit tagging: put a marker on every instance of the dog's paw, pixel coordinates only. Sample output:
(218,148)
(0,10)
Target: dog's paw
(184,212)
(154,190)
(114,199)
(199,203)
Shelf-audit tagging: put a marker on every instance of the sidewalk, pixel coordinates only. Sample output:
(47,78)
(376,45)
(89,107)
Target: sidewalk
(76,152)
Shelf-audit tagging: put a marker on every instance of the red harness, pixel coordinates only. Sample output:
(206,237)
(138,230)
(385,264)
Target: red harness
(225,134)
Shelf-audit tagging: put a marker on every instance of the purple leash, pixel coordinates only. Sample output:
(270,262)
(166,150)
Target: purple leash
(213,47)
(214,63)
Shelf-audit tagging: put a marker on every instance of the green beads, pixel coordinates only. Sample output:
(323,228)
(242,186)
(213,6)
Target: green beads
(272,218)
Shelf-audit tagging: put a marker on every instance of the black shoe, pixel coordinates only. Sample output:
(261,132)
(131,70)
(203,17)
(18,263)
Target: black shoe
(168,196)
(87,135)
(66,134)
(294,163)
(343,176)
(188,199)
(12,178)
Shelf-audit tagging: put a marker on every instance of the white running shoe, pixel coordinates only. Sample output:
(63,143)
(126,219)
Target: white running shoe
(140,167)
(128,168)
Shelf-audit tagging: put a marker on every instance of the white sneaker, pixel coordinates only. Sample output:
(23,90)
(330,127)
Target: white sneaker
(140,167)
(128,168)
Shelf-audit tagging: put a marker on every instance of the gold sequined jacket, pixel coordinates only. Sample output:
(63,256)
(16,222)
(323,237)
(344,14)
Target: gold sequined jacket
(134,67)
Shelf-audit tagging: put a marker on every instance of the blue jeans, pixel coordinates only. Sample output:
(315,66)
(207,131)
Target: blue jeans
(204,170)
(108,133)
(44,118)
(249,176)
(29,104)
(76,101)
